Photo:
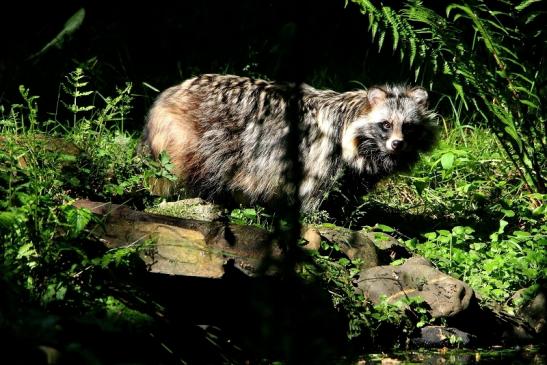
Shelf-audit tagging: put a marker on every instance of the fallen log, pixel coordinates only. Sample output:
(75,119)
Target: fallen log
(182,246)
(191,247)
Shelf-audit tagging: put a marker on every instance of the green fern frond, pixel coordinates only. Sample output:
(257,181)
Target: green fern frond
(523,5)
(381,39)
(392,20)
(484,70)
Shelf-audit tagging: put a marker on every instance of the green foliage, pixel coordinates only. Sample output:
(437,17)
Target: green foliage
(41,231)
(408,313)
(472,48)
(43,235)
(54,274)
(75,88)
(481,225)
(365,320)
(495,268)
(336,276)
(252,216)
(107,165)
(338,273)
(466,171)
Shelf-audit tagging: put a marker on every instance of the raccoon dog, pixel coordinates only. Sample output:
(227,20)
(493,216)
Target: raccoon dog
(228,134)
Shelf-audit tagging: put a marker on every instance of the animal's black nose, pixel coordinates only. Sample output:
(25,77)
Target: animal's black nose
(397,144)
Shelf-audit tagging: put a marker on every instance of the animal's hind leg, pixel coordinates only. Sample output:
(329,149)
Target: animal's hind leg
(171,129)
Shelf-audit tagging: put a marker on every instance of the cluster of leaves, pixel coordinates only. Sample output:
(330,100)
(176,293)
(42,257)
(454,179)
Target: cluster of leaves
(471,47)
(107,166)
(49,259)
(37,225)
(483,218)
(43,235)
(507,251)
(482,225)
(495,268)
(466,177)
(367,322)
(256,216)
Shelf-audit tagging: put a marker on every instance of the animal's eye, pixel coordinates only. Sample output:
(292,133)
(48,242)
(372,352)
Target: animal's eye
(385,125)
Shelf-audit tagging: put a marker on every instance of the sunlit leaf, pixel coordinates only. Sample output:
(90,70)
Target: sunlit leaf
(447,160)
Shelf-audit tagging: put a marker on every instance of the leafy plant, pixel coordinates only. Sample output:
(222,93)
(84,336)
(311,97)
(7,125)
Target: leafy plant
(40,228)
(251,216)
(365,319)
(107,164)
(495,268)
(55,275)
(478,221)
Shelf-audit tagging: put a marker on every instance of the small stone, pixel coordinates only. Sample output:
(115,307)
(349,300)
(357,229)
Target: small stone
(194,208)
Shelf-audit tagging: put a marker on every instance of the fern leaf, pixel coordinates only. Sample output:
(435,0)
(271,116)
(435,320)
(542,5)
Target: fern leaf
(391,19)
(498,26)
(381,39)
(524,78)
(529,103)
(373,27)
(416,73)
(413,50)
(523,5)
(460,93)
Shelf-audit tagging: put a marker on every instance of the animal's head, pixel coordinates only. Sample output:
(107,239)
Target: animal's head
(394,125)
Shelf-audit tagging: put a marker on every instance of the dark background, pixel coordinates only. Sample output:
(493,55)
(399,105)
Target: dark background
(323,43)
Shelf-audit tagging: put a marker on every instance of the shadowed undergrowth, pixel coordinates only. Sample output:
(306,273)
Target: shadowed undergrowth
(463,206)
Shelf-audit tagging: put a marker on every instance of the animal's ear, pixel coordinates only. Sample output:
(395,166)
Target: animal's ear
(419,95)
(376,95)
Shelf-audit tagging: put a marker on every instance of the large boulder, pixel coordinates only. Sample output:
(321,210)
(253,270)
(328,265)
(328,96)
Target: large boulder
(445,295)
(533,307)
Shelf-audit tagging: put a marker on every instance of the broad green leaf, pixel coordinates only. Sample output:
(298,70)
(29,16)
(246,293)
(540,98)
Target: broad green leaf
(458,230)
(8,219)
(78,219)
(503,224)
(249,213)
(447,160)
(384,228)
(521,234)
(397,262)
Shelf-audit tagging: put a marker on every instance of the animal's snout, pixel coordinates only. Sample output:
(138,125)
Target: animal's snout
(397,144)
